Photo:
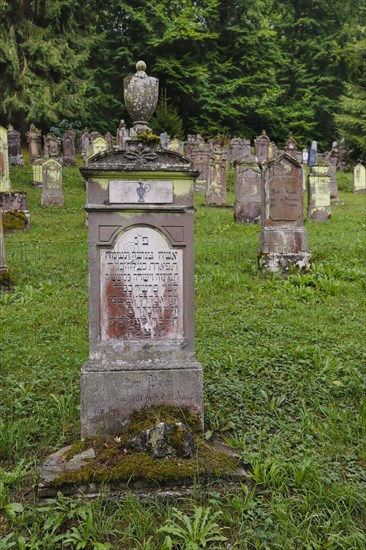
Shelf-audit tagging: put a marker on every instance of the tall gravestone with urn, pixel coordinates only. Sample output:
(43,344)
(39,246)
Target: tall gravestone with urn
(140,207)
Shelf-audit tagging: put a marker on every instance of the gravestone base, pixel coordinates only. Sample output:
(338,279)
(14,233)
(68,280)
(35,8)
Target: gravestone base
(320,215)
(247,213)
(52,199)
(282,249)
(200,186)
(108,397)
(13,205)
(60,463)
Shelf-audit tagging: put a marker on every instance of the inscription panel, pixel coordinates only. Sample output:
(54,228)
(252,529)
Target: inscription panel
(141,192)
(141,287)
(285,192)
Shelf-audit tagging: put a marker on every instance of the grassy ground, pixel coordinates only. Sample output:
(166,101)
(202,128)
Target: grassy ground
(285,383)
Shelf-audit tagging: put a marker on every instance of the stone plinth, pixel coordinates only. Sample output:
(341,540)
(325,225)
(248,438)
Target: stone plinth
(283,238)
(52,184)
(247,206)
(216,184)
(359,179)
(140,210)
(319,208)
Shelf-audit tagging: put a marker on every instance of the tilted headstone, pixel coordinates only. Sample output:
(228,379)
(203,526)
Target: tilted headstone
(4,162)
(313,154)
(37,173)
(283,238)
(359,179)
(68,147)
(14,147)
(141,309)
(247,179)
(216,183)
(52,146)
(52,184)
(34,143)
(319,208)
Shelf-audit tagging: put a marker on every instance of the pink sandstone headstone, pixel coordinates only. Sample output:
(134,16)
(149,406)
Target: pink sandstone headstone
(247,178)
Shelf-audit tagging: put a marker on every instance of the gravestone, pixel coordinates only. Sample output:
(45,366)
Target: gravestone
(34,143)
(200,157)
(312,159)
(52,147)
(359,179)
(109,141)
(176,145)
(247,179)
(85,143)
(14,149)
(331,161)
(37,173)
(98,145)
(216,183)
(164,139)
(68,147)
(319,208)
(4,162)
(262,147)
(122,134)
(52,184)
(283,238)
(141,309)
(188,146)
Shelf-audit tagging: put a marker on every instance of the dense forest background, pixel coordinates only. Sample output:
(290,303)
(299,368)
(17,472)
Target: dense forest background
(232,67)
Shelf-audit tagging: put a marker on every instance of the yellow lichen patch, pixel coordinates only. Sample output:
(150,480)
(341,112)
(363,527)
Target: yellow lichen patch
(14,220)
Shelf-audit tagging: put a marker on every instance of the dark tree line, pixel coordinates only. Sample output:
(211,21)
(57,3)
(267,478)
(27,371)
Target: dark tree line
(231,67)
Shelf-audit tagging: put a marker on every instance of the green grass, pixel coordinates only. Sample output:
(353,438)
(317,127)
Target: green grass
(285,383)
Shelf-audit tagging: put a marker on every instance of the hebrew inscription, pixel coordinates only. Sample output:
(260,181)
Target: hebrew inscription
(141,287)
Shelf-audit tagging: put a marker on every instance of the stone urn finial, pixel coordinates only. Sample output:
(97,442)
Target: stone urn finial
(141,94)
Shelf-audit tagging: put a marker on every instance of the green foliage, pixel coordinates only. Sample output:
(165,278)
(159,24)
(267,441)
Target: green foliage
(167,119)
(192,534)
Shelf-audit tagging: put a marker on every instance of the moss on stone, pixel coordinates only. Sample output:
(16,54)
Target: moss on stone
(116,460)
(115,464)
(150,138)
(14,220)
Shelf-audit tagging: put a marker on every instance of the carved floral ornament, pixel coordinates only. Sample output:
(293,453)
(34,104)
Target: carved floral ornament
(140,153)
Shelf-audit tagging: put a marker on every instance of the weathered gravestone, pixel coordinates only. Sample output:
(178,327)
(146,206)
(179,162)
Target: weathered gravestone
(176,145)
(216,183)
(52,184)
(15,153)
(122,134)
(164,139)
(97,145)
(319,208)
(247,179)
(85,143)
(359,179)
(34,143)
(37,173)
(109,141)
(52,147)
(200,157)
(264,149)
(283,238)
(68,147)
(4,161)
(140,206)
